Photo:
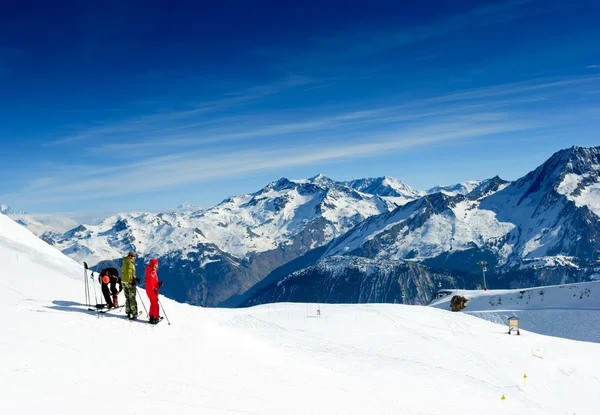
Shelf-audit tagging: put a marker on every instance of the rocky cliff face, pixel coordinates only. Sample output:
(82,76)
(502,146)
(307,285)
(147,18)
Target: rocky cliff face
(351,279)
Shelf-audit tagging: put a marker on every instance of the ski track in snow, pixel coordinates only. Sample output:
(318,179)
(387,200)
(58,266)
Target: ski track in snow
(56,357)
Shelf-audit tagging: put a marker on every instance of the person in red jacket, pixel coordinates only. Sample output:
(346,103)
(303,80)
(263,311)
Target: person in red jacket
(152,286)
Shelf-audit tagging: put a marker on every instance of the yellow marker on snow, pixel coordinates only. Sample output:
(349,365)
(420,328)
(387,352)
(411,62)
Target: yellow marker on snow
(525,379)
(503,398)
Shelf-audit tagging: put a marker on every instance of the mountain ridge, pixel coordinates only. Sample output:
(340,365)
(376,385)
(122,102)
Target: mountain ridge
(527,230)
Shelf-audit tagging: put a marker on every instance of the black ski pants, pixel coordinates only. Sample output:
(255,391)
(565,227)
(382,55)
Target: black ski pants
(107,295)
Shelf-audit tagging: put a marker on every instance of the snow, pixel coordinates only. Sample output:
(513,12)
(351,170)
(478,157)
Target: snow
(386,187)
(262,221)
(5,209)
(588,196)
(569,184)
(462,188)
(240,225)
(153,235)
(56,357)
(39,223)
(568,310)
(457,228)
(550,261)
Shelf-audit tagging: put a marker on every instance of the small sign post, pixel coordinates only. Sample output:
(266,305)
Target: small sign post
(513,324)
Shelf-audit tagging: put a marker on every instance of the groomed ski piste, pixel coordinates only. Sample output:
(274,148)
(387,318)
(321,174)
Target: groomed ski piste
(56,357)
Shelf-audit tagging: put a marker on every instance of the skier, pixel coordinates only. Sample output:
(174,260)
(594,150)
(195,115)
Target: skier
(152,286)
(129,284)
(110,276)
(114,280)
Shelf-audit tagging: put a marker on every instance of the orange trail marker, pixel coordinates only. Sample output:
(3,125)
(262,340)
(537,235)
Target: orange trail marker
(534,355)
(525,379)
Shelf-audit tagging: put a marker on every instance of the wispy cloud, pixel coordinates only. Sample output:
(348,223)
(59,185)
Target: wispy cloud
(264,124)
(178,150)
(164,172)
(593,67)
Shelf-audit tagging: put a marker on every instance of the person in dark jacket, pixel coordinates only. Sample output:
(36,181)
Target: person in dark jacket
(111,296)
(114,280)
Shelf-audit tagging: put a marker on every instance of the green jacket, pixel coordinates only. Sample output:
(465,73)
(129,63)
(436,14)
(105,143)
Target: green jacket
(128,270)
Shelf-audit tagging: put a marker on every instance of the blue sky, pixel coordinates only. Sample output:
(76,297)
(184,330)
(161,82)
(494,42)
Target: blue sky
(143,105)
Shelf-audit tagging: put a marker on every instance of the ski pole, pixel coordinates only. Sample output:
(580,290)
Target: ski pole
(95,296)
(141,301)
(163,309)
(85,285)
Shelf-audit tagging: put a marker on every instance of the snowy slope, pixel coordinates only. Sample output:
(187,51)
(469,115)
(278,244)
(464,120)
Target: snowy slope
(462,188)
(57,222)
(544,219)
(219,253)
(116,235)
(56,357)
(541,229)
(396,192)
(569,310)
(263,220)
(423,229)
(550,214)
(256,222)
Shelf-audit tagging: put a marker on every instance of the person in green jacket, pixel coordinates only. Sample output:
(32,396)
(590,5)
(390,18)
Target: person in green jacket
(129,280)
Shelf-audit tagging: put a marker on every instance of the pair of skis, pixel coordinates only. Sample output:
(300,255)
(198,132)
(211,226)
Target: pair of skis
(112,309)
(152,324)
(101,310)
(159,320)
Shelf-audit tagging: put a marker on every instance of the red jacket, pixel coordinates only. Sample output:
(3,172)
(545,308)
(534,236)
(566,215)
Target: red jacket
(151,279)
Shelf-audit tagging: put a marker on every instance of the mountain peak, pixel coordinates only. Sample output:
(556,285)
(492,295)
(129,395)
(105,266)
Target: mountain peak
(6,210)
(321,179)
(487,187)
(383,186)
(187,206)
(582,159)
(581,163)
(462,188)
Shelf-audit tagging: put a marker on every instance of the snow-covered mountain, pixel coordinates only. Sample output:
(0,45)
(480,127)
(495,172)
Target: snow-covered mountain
(57,223)
(553,210)
(6,210)
(220,252)
(462,188)
(541,229)
(189,206)
(319,209)
(275,359)
(388,188)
